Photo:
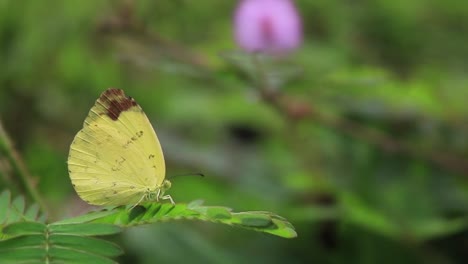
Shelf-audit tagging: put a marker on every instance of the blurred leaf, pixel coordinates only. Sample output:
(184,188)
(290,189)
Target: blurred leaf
(357,212)
(16,211)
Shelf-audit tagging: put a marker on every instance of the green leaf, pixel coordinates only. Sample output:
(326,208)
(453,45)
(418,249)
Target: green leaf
(431,228)
(32,212)
(253,219)
(359,213)
(91,245)
(155,212)
(17,209)
(85,218)
(23,255)
(84,229)
(24,228)
(65,255)
(42,218)
(23,242)
(68,241)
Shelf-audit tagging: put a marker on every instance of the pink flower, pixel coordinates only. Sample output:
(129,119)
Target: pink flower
(271,26)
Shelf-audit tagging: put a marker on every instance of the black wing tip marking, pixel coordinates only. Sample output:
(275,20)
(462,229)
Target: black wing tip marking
(115,102)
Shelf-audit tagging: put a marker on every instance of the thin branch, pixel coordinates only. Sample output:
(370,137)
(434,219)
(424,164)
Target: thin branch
(5,174)
(20,169)
(124,21)
(296,109)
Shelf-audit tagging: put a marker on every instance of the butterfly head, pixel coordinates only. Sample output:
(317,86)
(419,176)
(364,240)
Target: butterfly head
(166,185)
(158,193)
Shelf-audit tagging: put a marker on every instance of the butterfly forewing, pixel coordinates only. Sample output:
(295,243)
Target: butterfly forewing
(116,157)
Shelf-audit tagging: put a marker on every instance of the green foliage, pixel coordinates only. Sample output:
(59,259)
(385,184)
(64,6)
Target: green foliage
(26,238)
(415,229)
(15,211)
(155,212)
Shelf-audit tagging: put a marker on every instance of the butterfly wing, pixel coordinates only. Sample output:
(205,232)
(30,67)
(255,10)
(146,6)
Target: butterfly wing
(117,156)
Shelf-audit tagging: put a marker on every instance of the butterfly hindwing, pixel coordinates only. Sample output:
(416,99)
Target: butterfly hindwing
(116,156)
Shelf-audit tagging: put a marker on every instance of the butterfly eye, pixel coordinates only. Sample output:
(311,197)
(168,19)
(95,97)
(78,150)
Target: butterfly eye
(166,185)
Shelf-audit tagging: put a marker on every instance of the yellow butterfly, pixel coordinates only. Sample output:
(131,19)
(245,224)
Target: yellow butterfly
(116,159)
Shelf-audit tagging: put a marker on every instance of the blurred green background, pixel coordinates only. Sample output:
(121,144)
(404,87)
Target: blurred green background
(370,164)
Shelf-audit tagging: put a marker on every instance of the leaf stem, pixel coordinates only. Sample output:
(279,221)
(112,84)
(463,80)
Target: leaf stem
(20,168)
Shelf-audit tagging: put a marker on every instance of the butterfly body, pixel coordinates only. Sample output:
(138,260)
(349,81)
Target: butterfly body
(116,159)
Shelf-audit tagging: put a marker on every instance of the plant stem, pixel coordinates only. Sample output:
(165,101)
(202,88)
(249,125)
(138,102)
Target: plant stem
(267,92)
(293,107)
(20,169)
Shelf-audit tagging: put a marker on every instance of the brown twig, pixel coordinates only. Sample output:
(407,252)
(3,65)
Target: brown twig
(124,21)
(18,166)
(297,109)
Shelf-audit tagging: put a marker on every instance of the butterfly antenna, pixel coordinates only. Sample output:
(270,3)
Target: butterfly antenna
(188,174)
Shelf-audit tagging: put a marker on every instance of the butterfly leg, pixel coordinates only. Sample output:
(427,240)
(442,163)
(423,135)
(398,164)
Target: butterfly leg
(167,197)
(158,194)
(141,199)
